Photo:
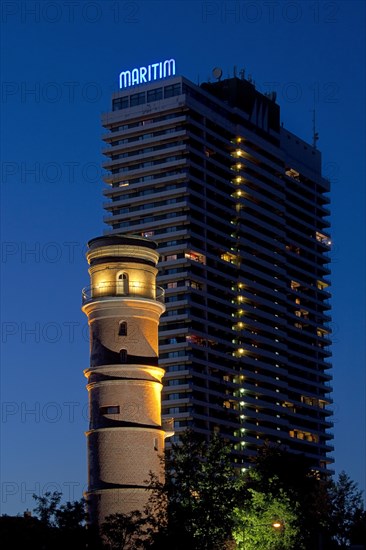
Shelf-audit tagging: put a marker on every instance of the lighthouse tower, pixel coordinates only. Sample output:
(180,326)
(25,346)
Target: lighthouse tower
(125,437)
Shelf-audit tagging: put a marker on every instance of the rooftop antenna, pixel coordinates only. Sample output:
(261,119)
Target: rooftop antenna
(217,73)
(315,133)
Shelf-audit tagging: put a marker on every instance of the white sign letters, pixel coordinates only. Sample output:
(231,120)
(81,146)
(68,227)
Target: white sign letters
(143,75)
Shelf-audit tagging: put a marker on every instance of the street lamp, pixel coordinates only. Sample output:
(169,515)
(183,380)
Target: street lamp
(275,524)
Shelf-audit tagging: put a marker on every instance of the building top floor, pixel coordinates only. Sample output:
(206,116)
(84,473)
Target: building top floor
(233,103)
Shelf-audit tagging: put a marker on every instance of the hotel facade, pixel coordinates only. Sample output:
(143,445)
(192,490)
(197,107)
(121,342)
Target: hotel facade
(238,207)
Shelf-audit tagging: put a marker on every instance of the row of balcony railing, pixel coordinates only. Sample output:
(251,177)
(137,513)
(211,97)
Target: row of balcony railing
(123,289)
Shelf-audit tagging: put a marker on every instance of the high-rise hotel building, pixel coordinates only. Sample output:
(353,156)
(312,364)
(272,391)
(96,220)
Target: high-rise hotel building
(239,209)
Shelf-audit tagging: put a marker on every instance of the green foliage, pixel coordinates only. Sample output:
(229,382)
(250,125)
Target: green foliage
(68,517)
(276,472)
(200,494)
(358,528)
(123,531)
(347,512)
(204,505)
(156,513)
(255,523)
(47,506)
(55,526)
(71,516)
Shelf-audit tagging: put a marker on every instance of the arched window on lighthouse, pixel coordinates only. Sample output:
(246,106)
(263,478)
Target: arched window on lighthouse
(123,355)
(122,283)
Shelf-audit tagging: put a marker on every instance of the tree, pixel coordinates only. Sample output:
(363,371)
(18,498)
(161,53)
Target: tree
(63,525)
(276,471)
(23,532)
(275,468)
(358,529)
(199,492)
(71,516)
(47,506)
(346,509)
(266,522)
(70,519)
(123,531)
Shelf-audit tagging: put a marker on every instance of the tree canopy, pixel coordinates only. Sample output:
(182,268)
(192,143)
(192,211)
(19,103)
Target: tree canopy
(347,519)
(200,494)
(267,522)
(279,503)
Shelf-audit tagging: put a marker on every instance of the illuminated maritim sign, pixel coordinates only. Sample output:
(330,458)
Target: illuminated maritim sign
(143,75)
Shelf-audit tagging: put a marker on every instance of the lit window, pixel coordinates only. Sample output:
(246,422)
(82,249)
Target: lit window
(324,239)
(231,258)
(292,173)
(122,283)
(195,256)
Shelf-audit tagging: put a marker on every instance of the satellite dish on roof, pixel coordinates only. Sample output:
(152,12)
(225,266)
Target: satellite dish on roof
(217,73)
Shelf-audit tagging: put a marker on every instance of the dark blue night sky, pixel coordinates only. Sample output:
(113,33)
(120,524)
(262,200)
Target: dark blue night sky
(60,64)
